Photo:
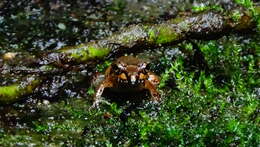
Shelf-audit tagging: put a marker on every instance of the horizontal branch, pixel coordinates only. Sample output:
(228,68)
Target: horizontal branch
(198,26)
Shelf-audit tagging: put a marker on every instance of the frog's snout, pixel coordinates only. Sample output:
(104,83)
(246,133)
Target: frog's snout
(133,79)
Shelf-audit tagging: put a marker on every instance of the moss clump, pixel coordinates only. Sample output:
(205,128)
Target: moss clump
(9,93)
(102,67)
(84,52)
(14,92)
(245,3)
(236,16)
(152,35)
(204,7)
(80,53)
(97,52)
(162,34)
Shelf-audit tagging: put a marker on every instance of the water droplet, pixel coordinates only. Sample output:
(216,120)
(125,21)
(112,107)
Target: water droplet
(62,26)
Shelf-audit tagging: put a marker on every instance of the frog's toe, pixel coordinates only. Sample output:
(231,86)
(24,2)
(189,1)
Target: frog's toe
(156,97)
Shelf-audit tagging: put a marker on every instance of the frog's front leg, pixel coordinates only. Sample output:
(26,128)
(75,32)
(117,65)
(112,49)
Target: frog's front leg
(155,96)
(99,92)
(154,79)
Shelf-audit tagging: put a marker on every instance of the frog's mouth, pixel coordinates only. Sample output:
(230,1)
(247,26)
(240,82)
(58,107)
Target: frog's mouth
(126,90)
(126,94)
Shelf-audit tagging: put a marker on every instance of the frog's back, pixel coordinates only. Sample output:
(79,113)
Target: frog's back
(129,60)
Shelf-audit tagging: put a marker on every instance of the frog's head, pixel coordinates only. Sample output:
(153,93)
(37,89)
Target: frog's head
(130,70)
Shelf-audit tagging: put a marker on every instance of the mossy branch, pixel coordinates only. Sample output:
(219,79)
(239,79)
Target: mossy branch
(198,26)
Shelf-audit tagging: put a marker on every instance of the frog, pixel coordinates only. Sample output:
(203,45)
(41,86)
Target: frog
(128,74)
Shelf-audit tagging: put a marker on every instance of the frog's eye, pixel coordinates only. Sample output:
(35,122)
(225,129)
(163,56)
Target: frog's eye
(148,66)
(122,76)
(114,67)
(142,66)
(142,76)
(121,66)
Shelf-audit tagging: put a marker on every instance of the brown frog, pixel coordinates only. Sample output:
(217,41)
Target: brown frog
(128,74)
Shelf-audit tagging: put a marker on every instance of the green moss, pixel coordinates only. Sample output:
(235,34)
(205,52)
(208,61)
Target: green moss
(257,17)
(98,52)
(236,16)
(166,35)
(152,35)
(245,3)
(91,91)
(162,34)
(199,8)
(104,66)
(204,7)
(249,4)
(177,20)
(250,108)
(29,88)
(118,5)
(85,52)
(9,93)
(80,52)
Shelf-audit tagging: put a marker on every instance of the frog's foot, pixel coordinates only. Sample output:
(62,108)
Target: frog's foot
(155,96)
